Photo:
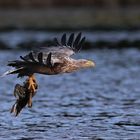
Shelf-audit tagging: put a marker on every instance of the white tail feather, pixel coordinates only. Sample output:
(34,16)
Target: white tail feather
(9,72)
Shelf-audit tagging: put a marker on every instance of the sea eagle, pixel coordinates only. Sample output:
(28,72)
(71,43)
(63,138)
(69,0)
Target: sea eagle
(49,61)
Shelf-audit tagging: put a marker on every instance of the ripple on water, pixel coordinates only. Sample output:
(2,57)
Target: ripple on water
(100,103)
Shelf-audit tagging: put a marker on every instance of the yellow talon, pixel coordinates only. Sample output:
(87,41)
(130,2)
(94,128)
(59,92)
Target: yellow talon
(32,86)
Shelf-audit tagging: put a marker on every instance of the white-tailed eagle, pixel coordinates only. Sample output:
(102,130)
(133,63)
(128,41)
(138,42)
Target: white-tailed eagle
(48,61)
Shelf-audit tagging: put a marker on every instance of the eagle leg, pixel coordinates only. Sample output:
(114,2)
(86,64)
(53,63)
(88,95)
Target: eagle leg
(32,86)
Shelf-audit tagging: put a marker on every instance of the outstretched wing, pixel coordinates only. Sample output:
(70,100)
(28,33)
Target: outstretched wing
(71,45)
(24,62)
(28,66)
(64,47)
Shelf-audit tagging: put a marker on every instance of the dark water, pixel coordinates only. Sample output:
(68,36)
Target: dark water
(16,39)
(100,103)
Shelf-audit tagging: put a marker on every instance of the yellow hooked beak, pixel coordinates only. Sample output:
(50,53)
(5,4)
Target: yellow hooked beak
(90,63)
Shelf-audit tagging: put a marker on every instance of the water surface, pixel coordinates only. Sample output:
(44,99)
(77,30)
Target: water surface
(19,38)
(100,103)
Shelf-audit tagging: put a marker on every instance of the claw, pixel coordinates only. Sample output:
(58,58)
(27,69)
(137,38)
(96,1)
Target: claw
(30,100)
(32,84)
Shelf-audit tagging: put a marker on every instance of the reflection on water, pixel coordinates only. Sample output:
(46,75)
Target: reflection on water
(100,103)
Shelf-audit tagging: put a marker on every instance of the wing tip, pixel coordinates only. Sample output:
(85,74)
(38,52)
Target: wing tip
(73,42)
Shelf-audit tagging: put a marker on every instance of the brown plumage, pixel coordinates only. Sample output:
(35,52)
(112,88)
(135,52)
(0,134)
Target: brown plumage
(50,61)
